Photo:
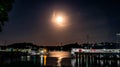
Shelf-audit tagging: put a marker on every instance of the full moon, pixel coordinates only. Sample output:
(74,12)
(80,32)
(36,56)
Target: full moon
(59,20)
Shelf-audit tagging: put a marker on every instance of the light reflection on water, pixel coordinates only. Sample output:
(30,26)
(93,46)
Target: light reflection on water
(59,61)
(87,61)
(73,62)
(62,58)
(59,55)
(41,60)
(46,60)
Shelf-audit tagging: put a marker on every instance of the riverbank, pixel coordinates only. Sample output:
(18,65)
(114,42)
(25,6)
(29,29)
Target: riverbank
(20,64)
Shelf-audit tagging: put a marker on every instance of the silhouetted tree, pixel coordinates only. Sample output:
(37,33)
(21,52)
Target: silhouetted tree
(5,7)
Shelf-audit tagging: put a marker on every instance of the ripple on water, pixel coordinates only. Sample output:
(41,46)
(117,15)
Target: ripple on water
(63,54)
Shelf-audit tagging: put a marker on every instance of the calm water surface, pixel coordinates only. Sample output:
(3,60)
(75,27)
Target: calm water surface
(64,59)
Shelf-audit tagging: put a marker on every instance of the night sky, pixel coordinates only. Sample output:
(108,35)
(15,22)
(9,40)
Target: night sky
(87,20)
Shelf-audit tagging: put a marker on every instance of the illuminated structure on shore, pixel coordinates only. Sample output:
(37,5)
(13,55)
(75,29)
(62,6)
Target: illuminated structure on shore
(79,50)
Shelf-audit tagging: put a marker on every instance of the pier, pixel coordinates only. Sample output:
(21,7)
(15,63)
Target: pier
(89,57)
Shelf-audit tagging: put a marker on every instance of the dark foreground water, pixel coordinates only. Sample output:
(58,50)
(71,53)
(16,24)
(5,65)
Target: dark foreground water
(57,59)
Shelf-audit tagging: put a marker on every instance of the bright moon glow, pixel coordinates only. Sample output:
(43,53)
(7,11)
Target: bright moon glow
(59,20)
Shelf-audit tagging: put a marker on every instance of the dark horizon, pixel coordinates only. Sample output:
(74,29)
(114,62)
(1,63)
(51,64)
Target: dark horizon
(88,20)
(64,44)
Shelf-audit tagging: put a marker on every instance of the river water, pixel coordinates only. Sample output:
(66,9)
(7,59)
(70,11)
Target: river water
(64,59)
